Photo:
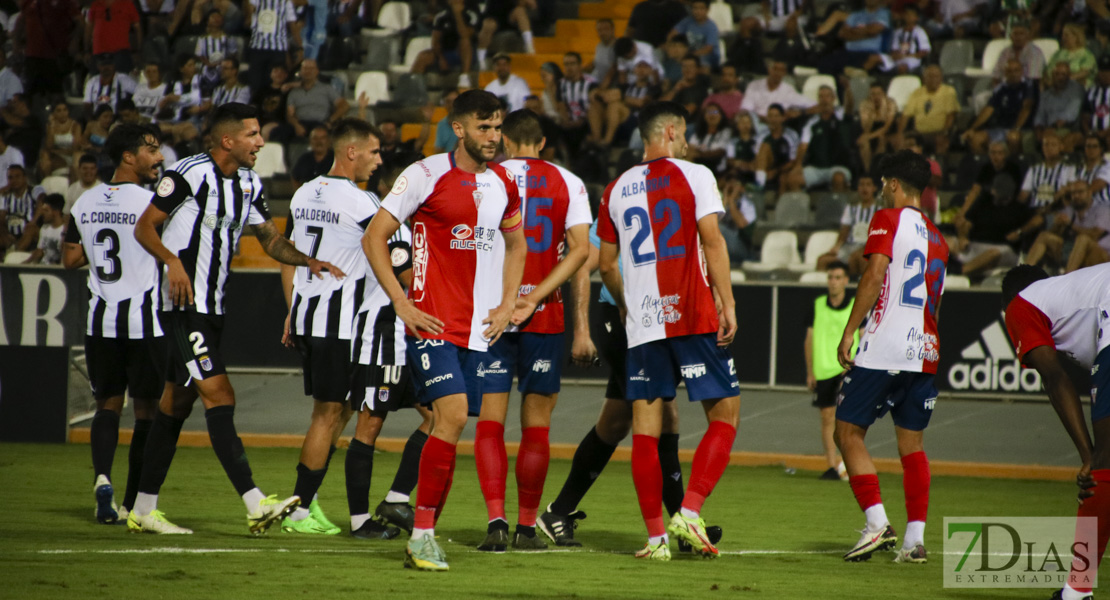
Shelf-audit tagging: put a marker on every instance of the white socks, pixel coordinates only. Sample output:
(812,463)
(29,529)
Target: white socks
(418,533)
(655,539)
(915,534)
(876,517)
(481,58)
(689,514)
(145,504)
(1069,593)
(300,514)
(396,497)
(253,498)
(359,520)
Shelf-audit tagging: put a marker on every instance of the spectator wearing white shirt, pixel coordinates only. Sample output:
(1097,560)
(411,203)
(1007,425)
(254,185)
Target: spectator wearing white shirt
(9,155)
(908,45)
(630,53)
(10,84)
(605,55)
(184,101)
(1023,50)
(762,93)
(959,17)
(48,250)
(510,89)
(87,179)
(148,97)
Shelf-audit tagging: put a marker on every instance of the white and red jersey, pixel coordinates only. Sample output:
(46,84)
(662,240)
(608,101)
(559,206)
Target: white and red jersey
(552,201)
(1066,313)
(456,218)
(901,333)
(652,212)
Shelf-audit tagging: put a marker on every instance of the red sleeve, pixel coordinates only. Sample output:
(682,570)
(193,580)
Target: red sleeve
(606,229)
(1028,327)
(880,235)
(132,12)
(511,220)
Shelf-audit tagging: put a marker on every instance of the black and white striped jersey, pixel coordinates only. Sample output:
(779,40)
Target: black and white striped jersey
(20,206)
(379,337)
(1042,182)
(783,8)
(269,27)
(224,94)
(1098,106)
(910,42)
(327,218)
(123,277)
(857,217)
(576,95)
(1090,175)
(207,213)
(109,94)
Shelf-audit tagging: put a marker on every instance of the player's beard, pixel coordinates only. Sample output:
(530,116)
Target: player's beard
(680,148)
(474,149)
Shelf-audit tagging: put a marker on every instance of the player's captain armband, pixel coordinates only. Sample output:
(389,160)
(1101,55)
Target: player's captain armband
(171,191)
(511,222)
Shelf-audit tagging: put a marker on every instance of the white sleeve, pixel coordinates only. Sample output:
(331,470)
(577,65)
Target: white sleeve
(578,207)
(409,192)
(1068,175)
(807,131)
(923,43)
(707,198)
(1027,185)
(846,216)
(747,209)
(1104,172)
(290,12)
(127,84)
(90,96)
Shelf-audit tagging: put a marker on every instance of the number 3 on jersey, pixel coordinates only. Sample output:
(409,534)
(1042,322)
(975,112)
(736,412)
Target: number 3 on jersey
(665,212)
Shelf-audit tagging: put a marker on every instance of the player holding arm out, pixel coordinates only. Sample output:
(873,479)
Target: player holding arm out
(899,295)
(458,203)
(655,221)
(1050,319)
(556,212)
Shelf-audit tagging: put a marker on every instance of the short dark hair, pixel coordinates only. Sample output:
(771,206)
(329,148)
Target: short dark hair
(691,57)
(235,62)
(680,38)
(605,20)
(17,167)
(55,201)
(522,127)
(232,112)
(705,2)
(576,55)
(182,61)
(776,106)
(1097,138)
(101,109)
(729,65)
(909,168)
(353,127)
(128,137)
(623,46)
(86,159)
(654,115)
(477,103)
(1019,278)
(126,104)
(912,136)
(838,264)
(394,122)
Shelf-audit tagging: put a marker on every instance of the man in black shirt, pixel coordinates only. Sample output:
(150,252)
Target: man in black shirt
(317,161)
(999,162)
(652,20)
(990,233)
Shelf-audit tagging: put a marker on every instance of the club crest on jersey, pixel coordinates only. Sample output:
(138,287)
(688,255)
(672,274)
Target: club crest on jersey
(477,198)
(165,187)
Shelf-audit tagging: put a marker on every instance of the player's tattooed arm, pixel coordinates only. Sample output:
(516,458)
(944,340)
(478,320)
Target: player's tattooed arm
(279,248)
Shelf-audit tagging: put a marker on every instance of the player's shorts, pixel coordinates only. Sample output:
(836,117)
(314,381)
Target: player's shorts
(327,367)
(824,394)
(194,341)
(535,357)
(117,365)
(382,388)
(654,369)
(442,369)
(868,394)
(613,348)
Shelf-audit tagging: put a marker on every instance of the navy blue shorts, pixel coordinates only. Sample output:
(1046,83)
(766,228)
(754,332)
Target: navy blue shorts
(1100,386)
(443,369)
(868,394)
(535,357)
(654,369)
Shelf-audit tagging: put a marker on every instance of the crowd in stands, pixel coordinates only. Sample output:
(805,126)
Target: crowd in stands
(789,100)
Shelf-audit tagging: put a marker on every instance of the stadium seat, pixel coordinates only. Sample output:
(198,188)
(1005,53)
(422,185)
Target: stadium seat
(416,45)
(814,83)
(792,210)
(271,161)
(738,276)
(1048,47)
(721,14)
(780,250)
(819,242)
(393,18)
(376,86)
(828,208)
(814,277)
(55,184)
(901,87)
(14,257)
(956,56)
(990,57)
(956,282)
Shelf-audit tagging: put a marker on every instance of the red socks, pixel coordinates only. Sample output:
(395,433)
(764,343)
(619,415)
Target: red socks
(648,477)
(710,461)
(915,484)
(1096,506)
(493,466)
(531,472)
(866,489)
(437,463)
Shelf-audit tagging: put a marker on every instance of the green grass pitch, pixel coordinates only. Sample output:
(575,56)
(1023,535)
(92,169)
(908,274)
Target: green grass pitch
(784,536)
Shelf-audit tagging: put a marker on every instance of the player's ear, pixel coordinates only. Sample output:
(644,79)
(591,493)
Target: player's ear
(543,142)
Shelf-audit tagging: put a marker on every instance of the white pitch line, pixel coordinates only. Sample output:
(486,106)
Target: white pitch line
(175,550)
